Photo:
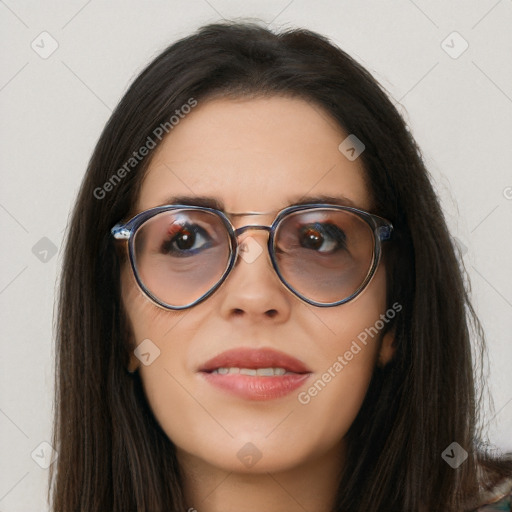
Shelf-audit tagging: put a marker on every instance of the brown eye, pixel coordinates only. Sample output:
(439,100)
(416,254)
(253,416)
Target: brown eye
(322,237)
(188,240)
(185,239)
(311,238)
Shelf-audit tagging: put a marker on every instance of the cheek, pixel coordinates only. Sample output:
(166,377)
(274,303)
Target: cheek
(147,321)
(348,352)
(158,336)
(359,321)
(332,399)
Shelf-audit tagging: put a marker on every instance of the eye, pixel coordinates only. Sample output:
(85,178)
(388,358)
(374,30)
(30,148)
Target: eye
(185,240)
(322,237)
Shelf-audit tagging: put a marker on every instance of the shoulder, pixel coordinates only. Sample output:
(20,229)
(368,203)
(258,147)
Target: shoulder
(500,499)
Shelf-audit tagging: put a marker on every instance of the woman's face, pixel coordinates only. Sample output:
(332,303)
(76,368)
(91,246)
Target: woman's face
(257,155)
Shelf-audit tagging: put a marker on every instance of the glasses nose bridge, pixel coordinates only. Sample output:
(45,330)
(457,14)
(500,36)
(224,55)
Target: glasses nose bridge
(239,231)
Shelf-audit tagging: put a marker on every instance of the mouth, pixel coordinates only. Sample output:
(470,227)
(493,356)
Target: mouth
(255,374)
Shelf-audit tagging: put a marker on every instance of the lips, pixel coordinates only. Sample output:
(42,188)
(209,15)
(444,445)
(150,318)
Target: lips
(254,359)
(252,374)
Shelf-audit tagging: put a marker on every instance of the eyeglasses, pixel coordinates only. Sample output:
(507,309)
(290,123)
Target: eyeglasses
(324,254)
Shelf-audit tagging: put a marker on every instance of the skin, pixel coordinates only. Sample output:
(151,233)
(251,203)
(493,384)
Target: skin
(256,155)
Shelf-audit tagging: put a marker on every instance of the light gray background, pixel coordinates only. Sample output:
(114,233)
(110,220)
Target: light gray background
(53,110)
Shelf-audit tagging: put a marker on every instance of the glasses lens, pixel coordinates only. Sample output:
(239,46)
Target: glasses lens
(325,255)
(180,255)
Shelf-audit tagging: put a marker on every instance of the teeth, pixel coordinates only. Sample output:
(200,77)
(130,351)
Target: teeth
(260,372)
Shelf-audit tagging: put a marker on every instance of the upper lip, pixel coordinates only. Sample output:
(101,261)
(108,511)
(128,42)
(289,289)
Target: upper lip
(253,359)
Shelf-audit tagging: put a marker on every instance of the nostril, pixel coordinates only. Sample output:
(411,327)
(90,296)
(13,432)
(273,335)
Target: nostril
(271,313)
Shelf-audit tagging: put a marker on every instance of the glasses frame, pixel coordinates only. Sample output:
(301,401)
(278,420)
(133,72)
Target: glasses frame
(381,229)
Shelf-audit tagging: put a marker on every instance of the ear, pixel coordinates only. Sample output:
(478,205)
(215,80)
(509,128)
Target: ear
(387,348)
(134,363)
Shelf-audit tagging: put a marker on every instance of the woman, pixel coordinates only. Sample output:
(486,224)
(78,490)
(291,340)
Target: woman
(260,304)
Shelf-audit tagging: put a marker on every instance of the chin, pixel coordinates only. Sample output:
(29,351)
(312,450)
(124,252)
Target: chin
(250,456)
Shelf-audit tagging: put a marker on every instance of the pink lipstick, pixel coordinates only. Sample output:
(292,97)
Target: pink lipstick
(255,374)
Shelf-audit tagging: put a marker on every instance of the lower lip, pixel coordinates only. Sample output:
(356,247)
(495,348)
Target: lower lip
(257,388)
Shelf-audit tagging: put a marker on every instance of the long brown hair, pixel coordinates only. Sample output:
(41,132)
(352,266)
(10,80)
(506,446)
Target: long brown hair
(113,455)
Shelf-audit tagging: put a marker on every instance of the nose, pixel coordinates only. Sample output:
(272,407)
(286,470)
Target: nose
(253,290)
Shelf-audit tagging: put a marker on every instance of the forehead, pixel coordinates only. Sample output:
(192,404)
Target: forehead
(254,155)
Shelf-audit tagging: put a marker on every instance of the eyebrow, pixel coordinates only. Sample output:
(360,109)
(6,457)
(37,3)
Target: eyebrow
(218,204)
